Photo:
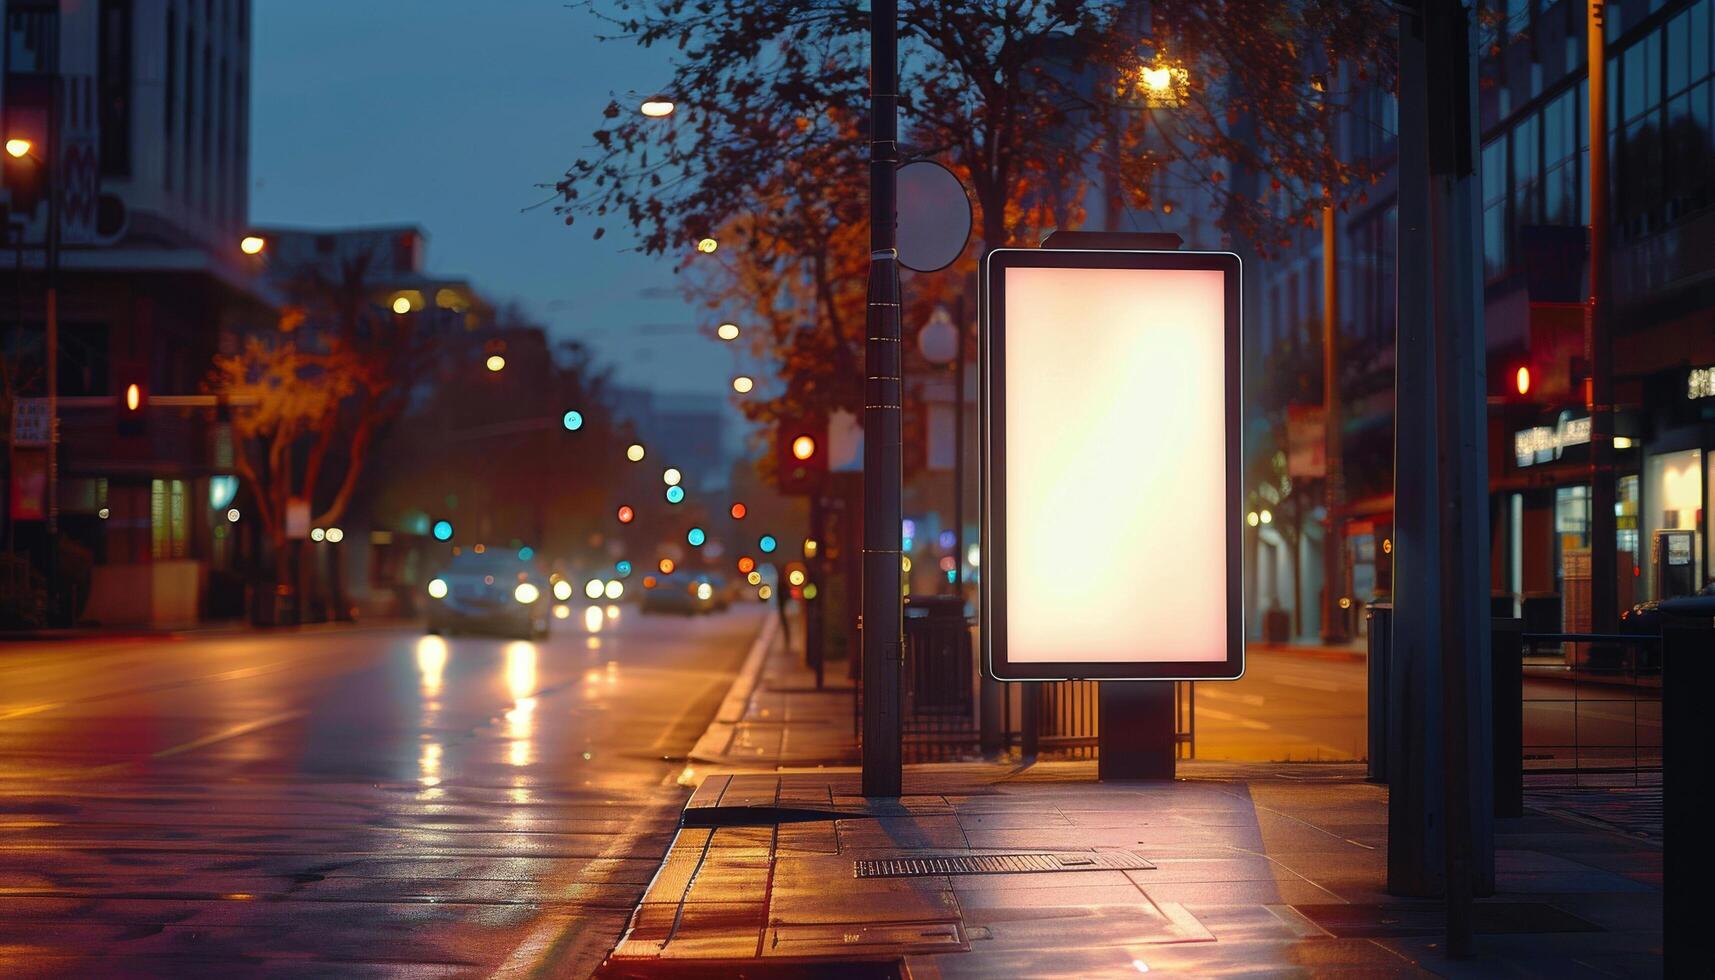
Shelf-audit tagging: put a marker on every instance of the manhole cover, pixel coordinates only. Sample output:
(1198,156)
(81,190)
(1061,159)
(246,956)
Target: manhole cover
(999,864)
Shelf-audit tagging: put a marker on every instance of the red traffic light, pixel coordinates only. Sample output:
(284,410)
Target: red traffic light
(800,464)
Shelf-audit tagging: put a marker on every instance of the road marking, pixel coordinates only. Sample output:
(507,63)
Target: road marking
(1326,687)
(1216,693)
(1250,723)
(244,728)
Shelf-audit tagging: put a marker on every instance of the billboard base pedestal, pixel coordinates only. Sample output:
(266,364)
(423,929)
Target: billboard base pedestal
(1135,733)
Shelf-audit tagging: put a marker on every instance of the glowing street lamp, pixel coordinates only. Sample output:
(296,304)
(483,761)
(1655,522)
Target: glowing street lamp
(742,384)
(252,245)
(727,331)
(496,363)
(401,305)
(707,246)
(17,148)
(656,108)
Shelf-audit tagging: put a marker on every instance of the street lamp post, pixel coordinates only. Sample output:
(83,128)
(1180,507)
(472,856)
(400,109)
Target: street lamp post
(883,614)
(930,342)
(45,157)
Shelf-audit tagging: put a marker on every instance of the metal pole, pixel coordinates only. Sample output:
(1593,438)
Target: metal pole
(1460,428)
(1414,694)
(1334,485)
(959,452)
(1598,342)
(883,615)
(51,185)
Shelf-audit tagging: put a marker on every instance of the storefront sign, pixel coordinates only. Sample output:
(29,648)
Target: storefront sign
(1544,443)
(1700,383)
(30,422)
(1111,468)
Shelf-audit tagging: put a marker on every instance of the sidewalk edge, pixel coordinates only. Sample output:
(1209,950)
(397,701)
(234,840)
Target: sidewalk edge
(712,745)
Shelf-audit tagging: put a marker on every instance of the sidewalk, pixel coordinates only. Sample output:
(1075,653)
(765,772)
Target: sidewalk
(1007,870)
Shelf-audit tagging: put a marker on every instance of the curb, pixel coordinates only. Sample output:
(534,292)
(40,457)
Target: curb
(713,744)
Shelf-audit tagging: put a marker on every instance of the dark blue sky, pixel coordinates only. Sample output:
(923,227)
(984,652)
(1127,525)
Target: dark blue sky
(447,114)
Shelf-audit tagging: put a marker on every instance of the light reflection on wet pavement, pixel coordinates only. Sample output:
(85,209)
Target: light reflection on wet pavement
(351,802)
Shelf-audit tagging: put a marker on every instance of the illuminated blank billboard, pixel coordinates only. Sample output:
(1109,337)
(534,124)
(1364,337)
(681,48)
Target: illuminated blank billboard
(1111,465)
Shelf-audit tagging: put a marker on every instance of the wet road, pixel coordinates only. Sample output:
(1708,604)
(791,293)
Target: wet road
(358,802)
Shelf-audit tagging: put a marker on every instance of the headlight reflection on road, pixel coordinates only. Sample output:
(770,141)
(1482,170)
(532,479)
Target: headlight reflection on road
(521,680)
(612,612)
(431,663)
(429,764)
(593,616)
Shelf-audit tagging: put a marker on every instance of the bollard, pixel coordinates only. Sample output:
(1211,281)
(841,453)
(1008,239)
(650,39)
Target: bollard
(1506,672)
(1688,657)
(1380,652)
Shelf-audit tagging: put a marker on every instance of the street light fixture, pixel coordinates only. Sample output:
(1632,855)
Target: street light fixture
(656,108)
(18,148)
(496,362)
(252,244)
(742,384)
(727,331)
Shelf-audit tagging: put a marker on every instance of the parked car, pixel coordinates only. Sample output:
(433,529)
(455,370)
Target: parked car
(494,591)
(1648,617)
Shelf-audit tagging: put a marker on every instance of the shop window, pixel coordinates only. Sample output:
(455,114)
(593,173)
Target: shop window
(1672,499)
(169,520)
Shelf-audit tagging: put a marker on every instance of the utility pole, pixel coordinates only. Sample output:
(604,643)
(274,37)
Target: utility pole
(1334,484)
(1440,807)
(1598,341)
(883,471)
(51,186)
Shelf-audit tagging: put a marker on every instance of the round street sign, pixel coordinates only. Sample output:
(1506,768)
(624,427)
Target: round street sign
(934,216)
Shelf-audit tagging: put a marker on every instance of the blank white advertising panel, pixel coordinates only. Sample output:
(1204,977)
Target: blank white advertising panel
(1111,491)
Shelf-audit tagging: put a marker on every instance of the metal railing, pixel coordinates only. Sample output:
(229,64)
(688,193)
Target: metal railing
(942,698)
(1592,709)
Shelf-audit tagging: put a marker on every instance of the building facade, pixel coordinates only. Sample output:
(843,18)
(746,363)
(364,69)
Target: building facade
(138,113)
(1534,110)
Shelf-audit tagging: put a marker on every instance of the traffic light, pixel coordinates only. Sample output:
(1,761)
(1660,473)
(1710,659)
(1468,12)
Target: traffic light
(801,456)
(133,409)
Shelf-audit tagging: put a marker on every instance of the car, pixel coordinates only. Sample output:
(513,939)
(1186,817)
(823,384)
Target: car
(492,591)
(1649,617)
(683,595)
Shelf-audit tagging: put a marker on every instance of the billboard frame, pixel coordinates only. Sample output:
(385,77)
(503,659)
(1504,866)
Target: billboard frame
(993,462)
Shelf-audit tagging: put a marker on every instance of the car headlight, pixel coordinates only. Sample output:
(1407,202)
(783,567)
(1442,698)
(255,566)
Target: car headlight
(562,590)
(526,593)
(437,588)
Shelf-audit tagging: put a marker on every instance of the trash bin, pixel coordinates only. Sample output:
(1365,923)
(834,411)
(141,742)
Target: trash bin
(939,668)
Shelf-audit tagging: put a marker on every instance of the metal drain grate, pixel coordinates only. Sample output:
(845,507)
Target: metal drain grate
(999,864)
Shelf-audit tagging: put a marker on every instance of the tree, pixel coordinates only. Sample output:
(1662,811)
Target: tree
(1026,100)
(312,395)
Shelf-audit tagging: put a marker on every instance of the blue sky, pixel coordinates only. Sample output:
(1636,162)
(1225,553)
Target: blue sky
(448,114)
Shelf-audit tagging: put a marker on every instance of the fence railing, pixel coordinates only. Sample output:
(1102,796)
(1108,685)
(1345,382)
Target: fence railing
(942,690)
(1592,708)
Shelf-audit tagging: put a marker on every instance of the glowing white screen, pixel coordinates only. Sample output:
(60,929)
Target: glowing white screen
(1115,463)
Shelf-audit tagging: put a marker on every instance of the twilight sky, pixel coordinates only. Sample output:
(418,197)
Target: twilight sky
(447,114)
